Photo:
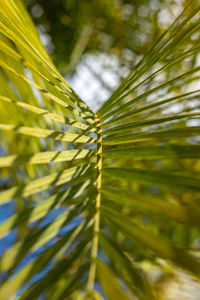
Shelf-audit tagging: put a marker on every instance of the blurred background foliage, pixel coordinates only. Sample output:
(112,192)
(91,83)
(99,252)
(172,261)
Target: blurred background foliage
(96,43)
(125,28)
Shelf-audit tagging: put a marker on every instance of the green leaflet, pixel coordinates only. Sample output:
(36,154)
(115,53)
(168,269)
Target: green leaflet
(129,272)
(41,184)
(144,95)
(110,284)
(158,245)
(144,108)
(57,117)
(13,255)
(19,58)
(150,122)
(46,133)
(69,285)
(41,209)
(153,56)
(154,152)
(155,177)
(72,112)
(150,205)
(12,286)
(158,135)
(45,157)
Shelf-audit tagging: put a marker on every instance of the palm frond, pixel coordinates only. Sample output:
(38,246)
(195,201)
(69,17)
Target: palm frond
(96,196)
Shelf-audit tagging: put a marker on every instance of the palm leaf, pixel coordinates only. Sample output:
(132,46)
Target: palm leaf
(97,195)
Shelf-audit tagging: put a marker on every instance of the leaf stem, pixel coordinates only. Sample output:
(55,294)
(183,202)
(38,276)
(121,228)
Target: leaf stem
(95,241)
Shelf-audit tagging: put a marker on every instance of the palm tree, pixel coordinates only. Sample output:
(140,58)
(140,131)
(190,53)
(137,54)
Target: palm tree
(98,197)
